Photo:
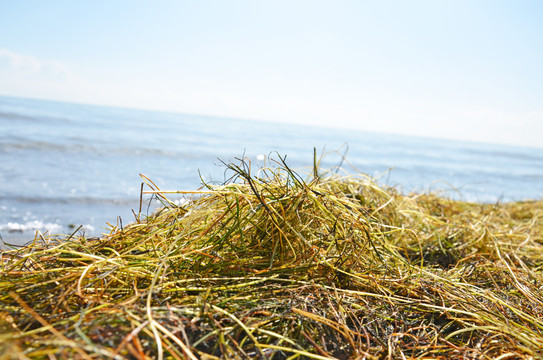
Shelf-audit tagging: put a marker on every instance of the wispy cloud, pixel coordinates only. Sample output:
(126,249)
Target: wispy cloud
(21,65)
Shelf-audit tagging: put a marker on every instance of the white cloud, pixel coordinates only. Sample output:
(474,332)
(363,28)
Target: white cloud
(29,76)
(19,61)
(18,68)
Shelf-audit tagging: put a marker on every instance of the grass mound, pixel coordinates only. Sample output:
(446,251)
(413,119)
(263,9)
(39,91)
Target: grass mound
(272,266)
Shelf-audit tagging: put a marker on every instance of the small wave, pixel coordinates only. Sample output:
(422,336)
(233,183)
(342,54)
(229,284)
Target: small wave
(12,227)
(41,118)
(13,116)
(10,145)
(69,200)
(33,145)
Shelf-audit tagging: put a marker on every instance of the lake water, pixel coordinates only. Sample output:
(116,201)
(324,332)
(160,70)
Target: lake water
(64,165)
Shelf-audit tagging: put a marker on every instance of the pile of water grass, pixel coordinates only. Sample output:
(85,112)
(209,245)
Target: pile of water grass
(272,266)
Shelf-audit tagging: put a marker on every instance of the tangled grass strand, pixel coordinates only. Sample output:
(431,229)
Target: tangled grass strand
(272,266)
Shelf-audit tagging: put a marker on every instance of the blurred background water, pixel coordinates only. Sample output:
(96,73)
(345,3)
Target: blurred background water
(63,165)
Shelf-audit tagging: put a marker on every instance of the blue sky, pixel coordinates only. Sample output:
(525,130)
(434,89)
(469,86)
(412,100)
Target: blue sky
(459,69)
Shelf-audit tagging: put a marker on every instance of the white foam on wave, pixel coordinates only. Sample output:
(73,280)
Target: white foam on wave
(44,227)
(31,226)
